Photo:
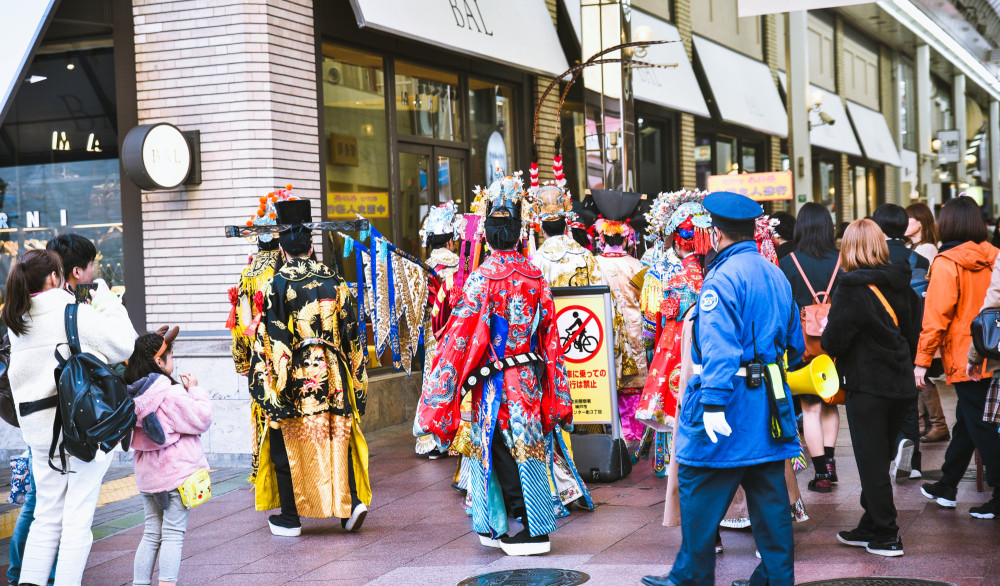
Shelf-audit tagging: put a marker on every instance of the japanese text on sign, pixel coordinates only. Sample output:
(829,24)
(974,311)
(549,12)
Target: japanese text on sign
(346,205)
(587,355)
(757,186)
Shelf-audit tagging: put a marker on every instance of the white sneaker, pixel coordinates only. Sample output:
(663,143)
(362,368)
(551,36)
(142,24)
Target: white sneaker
(915,475)
(357,518)
(902,464)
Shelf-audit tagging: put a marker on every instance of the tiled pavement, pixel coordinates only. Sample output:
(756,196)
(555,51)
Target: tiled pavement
(417,533)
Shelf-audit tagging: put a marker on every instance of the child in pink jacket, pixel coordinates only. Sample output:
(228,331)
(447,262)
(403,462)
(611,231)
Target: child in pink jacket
(167,450)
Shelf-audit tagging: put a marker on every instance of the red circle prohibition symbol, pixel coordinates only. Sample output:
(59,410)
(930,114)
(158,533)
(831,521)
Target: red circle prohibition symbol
(581,344)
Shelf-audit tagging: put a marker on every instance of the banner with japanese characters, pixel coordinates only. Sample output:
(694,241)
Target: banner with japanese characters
(583,317)
(347,205)
(773,186)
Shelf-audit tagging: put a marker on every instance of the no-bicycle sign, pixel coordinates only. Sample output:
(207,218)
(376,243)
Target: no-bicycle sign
(583,318)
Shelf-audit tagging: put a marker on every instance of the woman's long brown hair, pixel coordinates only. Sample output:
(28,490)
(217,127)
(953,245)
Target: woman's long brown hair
(27,276)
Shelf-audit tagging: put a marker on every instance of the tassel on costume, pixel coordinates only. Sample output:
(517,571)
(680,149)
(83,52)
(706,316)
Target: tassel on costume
(234,299)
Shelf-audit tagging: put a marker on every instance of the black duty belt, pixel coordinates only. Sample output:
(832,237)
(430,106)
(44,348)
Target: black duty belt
(491,368)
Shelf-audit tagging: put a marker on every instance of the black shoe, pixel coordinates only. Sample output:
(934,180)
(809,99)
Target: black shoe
(741,582)
(485,539)
(831,467)
(663,580)
(284,525)
(436,454)
(457,488)
(821,483)
(888,548)
(940,492)
(855,537)
(989,509)
(718,541)
(524,544)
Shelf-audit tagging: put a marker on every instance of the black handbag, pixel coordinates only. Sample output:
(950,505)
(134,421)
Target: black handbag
(986,333)
(8,410)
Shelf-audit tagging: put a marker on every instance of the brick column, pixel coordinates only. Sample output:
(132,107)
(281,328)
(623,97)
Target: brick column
(244,74)
(685,137)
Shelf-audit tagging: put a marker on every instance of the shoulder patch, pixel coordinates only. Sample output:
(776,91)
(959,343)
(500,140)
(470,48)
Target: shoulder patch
(709,299)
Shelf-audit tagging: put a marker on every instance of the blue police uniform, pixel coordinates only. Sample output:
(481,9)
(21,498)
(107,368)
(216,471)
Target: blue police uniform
(745,311)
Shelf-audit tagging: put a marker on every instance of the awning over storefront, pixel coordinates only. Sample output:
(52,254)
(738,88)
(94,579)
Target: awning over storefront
(676,88)
(743,89)
(25,22)
(874,133)
(521,36)
(837,136)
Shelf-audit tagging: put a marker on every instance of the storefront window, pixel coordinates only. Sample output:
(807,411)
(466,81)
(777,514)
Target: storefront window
(702,160)
(491,113)
(59,161)
(427,102)
(825,185)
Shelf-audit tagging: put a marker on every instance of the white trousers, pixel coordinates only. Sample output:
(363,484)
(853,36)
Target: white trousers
(64,512)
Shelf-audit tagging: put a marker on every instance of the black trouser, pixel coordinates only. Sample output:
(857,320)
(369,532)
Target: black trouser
(286,493)
(969,433)
(911,431)
(875,423)
(509,478)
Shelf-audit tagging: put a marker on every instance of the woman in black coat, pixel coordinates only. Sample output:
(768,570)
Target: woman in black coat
(874,347)
(816,254)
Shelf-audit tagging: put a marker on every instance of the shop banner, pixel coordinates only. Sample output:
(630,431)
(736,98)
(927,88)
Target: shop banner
(876,138)
(759,7)
(347,205)
(583,317)
(951,146)
(757,186)
(519,33)
(24,25)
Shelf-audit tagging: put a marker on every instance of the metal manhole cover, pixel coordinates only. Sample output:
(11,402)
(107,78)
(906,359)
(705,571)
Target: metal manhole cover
(878,582)
(528,577)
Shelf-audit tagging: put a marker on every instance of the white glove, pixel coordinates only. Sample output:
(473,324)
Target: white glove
(715,422)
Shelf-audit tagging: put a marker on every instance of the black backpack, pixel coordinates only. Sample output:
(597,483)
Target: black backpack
(94,410)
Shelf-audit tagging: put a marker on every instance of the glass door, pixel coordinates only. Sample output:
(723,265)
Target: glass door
(428,176)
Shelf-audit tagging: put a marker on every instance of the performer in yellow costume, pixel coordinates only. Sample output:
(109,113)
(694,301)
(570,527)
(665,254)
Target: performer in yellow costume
(310,381)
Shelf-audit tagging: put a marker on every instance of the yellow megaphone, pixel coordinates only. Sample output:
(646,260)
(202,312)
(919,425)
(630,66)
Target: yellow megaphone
(818,378)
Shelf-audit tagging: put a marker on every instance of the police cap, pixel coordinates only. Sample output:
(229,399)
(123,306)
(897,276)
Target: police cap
(732,211)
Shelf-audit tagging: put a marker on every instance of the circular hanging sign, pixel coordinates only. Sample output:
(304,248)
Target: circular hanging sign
(496,154)
(156,156)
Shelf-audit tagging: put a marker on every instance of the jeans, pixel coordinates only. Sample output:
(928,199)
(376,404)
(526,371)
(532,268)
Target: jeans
(969,433)
(163,535)
(64,512)
(875,424)
(19,537)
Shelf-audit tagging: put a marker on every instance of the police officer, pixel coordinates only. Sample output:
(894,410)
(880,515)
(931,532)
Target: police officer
(733,427)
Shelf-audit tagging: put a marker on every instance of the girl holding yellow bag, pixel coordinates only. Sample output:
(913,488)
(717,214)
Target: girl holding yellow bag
(170,466)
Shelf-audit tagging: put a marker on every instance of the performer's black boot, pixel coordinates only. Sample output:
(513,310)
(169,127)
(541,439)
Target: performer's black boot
(287,523)
(522,543)
(358,509)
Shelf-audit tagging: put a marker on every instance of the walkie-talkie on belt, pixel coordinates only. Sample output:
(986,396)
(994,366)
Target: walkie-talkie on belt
(755,368)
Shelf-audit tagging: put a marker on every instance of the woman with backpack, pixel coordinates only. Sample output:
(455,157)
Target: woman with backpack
(813,270)
(872,331)
(168,453)
(959,279)
(34,313)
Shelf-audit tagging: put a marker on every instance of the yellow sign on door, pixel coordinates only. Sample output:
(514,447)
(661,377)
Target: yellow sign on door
(585,337)
(347,205)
